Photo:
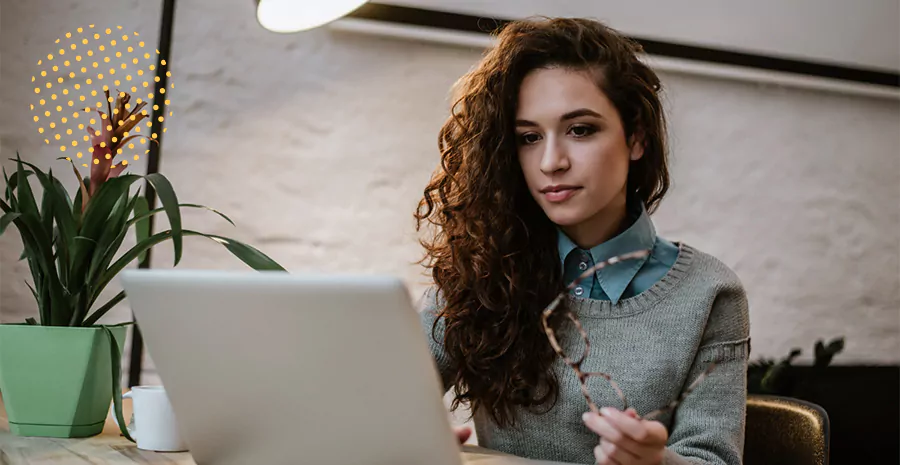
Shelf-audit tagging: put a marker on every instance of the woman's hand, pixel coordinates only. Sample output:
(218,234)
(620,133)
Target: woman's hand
(626,439)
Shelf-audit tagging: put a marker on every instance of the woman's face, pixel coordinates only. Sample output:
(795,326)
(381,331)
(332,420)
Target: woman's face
(572,148)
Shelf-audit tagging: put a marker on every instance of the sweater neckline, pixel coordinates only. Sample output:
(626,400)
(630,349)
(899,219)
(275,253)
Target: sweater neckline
(594,308)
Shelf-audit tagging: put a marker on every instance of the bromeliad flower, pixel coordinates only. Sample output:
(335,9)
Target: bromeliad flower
(109,141)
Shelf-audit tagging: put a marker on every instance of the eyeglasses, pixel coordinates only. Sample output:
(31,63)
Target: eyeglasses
(576,364)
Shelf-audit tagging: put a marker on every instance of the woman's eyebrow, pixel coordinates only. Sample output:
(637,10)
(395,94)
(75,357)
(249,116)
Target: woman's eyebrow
(570,115)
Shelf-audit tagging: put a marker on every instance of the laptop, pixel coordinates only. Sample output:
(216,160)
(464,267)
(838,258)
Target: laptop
(276,368)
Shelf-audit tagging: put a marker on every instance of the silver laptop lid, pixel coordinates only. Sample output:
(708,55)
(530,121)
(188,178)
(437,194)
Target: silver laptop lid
(276,368)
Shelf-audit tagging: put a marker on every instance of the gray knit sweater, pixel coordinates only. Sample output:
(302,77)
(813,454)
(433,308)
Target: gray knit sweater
(654,345)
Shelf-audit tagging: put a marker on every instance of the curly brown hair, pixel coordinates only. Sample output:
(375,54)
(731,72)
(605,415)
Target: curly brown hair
(492,250)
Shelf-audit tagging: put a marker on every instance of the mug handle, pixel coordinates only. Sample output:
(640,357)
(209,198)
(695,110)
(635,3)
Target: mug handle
(131,427)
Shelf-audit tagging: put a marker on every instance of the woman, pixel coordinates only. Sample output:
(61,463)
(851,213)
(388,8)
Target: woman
(551,162)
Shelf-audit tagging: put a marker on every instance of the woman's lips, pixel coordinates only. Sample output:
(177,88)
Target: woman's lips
(558,194)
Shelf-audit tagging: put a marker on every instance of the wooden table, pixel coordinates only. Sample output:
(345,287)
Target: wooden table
(110,448)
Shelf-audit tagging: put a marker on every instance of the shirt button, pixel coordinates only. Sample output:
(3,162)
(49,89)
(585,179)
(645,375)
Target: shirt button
(582,266)
(579,291)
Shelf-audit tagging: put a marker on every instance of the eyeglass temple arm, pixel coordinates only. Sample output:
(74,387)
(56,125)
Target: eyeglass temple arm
(675,403)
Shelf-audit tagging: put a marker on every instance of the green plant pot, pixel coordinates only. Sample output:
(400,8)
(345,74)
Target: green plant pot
(56,381)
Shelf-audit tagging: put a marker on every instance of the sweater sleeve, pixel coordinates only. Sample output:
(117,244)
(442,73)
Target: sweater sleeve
(433,328)
(708,427)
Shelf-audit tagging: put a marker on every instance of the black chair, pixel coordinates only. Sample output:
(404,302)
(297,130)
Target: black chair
(783,430)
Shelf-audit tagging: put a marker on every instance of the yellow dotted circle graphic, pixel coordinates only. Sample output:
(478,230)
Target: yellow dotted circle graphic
(98,96)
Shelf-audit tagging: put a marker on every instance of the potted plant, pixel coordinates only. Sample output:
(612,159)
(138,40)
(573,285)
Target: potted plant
(59,372)
(767,377)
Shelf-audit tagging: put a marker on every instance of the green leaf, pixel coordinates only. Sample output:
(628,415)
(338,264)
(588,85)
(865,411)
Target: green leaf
(247,254)
(9,194)
(106,276)
(795,352)
(8,190)
(80,305)
(142,221)
(116,358)
(65,222)
(107,243)
(103,201)
(33,292)
(47,211)
(824,354)
(836,346)
(97,314)
(6,219)
(76,202)
(85,239)
(52,297)
(61,190)
(110,248)
(142,232)
(169,200)
(13,181)
(37,299)
(142,215)
(28,249)
(183,205)
(56,307)
(96,219)
(41,291)
(27,203)
(57,205)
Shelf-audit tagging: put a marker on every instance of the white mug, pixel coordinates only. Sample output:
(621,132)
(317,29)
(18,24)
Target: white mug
(153,423)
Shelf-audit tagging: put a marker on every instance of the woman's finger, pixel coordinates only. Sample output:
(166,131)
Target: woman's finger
(617,453)
(602,458)
(658,432)
(610,433)
(462,433)
(635,428)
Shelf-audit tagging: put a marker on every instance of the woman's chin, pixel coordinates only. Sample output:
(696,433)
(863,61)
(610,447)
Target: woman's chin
(563,218)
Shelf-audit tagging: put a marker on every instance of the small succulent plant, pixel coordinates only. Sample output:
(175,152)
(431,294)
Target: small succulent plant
(766,376)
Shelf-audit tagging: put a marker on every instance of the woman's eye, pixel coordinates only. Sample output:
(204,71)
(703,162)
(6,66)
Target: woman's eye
(528,138)
(582,130)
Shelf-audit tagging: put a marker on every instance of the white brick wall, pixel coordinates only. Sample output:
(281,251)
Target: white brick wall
(319,144)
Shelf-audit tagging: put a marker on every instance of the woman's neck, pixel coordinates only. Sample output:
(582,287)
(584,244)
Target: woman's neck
(601,227)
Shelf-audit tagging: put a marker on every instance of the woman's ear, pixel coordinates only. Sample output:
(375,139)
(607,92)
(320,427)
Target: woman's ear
(637,146)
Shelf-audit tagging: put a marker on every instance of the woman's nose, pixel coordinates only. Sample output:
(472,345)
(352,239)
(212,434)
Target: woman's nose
(554,157)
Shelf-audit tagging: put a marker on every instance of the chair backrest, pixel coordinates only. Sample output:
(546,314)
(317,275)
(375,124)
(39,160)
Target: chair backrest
(783,430)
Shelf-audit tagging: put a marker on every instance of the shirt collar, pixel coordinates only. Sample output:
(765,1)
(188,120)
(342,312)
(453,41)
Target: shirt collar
(564,245)
(616,278)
